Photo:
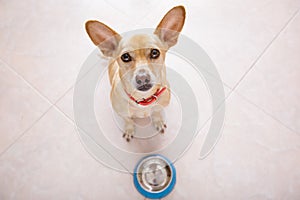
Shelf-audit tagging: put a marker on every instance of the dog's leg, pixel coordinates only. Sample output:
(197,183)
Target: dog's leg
(158,121)
(129,128)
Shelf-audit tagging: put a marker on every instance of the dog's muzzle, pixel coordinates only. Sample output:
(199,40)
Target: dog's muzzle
(143,80)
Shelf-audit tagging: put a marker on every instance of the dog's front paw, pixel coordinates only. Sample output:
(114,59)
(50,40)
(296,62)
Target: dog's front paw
(129,129)
(128,134)
(160,126)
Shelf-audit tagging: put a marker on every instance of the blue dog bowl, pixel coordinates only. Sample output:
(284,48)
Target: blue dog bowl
(154,177)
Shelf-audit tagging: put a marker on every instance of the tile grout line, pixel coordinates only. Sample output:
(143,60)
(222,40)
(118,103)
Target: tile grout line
(51,105)
(258,107)
(71,121)
(265,112)
(24,132)
(35,121)
(262,109)
(73,85)
(266,49)
(250,68)
(233,89)
(6,65)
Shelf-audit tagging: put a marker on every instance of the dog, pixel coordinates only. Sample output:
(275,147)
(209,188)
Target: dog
(137,71)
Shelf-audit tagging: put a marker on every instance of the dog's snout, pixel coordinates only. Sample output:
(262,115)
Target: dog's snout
(142,78)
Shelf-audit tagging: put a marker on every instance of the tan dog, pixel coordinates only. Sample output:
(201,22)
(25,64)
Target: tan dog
(137,71)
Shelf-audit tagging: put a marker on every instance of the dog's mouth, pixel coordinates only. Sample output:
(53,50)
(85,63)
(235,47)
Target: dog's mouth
(145,87)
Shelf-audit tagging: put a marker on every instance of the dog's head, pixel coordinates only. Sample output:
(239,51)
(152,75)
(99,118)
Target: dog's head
(140,57)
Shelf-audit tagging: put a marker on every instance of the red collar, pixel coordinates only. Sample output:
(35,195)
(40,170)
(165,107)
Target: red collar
(149,100)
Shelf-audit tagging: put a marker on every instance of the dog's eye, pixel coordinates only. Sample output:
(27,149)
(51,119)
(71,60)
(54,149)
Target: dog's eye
(154,53)
(126,57)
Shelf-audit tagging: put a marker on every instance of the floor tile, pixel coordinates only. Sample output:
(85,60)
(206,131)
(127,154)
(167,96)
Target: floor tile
(49,162)
(20,106)
(273,84)
(256,158)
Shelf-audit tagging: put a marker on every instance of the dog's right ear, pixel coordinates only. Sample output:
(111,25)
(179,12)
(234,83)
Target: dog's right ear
(102,36)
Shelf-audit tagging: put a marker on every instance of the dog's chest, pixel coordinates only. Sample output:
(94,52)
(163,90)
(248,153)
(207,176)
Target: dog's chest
(138,111)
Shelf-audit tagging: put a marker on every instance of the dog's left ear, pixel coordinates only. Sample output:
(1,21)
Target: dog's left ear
(170,26)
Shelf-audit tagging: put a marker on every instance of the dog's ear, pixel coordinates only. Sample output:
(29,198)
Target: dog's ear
(170,26)
(102,36)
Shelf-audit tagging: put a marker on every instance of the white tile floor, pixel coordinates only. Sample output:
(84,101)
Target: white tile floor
(255,46)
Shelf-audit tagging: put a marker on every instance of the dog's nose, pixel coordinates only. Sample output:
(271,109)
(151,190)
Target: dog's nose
(142,78)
